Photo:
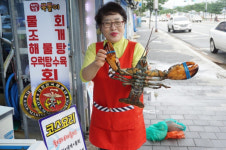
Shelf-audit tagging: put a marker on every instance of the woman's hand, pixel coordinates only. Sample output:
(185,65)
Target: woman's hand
(149,67)
(89,72)
(100,58)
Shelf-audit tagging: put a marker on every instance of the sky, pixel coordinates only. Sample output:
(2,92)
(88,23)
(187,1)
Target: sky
(174,3)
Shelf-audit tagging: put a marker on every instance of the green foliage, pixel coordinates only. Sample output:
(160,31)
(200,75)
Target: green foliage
(149,5)
(214,7)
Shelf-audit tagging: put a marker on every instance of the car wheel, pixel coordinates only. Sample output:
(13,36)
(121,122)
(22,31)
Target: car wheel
(212,47)
(168,29)
(173,30)
(189,30)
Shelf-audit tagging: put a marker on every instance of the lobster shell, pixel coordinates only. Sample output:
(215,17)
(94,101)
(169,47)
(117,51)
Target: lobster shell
(111,59)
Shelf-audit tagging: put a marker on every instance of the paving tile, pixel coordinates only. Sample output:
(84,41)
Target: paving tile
(210,113)
(195,112)
(163,117)
(146,148)
(154,121)
(178,148)
(160,148)
(147,122)
(219,143)
(186,122)
(219,117)
(207,135)
(150,143)
(169,142)
(191,117)
(201,122)
(221,135)
(196,128)
(177,117)
(149,115)
(212,129)
(217,123)
(205,117)
(224,122)
(203,142)
(222,129)
(169,112)
(205,148)
(89,146)
(191,135)
(186,142)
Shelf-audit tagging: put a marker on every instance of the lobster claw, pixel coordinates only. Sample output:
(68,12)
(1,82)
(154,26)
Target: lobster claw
(111,59)
(182,71)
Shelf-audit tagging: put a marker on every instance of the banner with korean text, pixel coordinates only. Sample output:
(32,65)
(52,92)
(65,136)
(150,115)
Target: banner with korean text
(47,41)
(62,131)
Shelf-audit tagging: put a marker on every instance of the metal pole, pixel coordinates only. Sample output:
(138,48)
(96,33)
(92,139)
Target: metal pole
(224,9)
(71,58)
(2,69)
(206,11)
(156,17)
(76,50)
(18,62)
(1,60)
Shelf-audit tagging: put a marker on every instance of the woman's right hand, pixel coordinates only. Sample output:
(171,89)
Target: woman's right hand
(89,72)
(100,58)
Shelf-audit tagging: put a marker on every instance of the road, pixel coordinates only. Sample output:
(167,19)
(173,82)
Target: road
(198,39)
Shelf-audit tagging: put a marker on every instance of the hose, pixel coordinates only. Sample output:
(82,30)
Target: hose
(9,57)
(11,96)
(7,61)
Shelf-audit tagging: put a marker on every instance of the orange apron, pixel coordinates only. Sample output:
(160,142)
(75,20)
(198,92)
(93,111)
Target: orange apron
(115,125)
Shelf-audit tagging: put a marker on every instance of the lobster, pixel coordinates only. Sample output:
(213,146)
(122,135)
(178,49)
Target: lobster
(143,77)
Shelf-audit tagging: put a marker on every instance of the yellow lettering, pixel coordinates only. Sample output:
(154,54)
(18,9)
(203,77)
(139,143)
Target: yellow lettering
(57,126)
(49,129)
(65,122)
(60,124)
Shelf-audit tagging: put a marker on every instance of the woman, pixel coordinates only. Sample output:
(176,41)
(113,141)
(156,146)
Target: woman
(109,129)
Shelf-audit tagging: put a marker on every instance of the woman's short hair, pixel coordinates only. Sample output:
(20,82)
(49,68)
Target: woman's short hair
(110,8)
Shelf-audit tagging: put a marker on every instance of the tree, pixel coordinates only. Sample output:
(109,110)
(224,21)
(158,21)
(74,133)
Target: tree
(149,5)
(213,8)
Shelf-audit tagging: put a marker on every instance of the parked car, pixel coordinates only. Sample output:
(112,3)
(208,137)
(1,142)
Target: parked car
(179,23)
(144,20)
(196,18)
(218,37)
(163,19)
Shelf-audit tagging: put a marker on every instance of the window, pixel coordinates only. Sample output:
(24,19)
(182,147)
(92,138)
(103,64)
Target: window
(221,26)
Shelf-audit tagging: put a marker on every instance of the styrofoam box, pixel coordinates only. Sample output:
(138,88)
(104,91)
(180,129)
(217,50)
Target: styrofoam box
(6,122)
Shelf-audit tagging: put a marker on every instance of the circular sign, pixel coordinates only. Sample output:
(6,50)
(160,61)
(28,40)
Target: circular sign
(52,96)
(27,105)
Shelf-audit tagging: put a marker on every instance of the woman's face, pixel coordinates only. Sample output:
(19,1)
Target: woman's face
(113,27)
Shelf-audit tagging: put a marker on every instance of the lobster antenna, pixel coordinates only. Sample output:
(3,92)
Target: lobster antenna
(147,46)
